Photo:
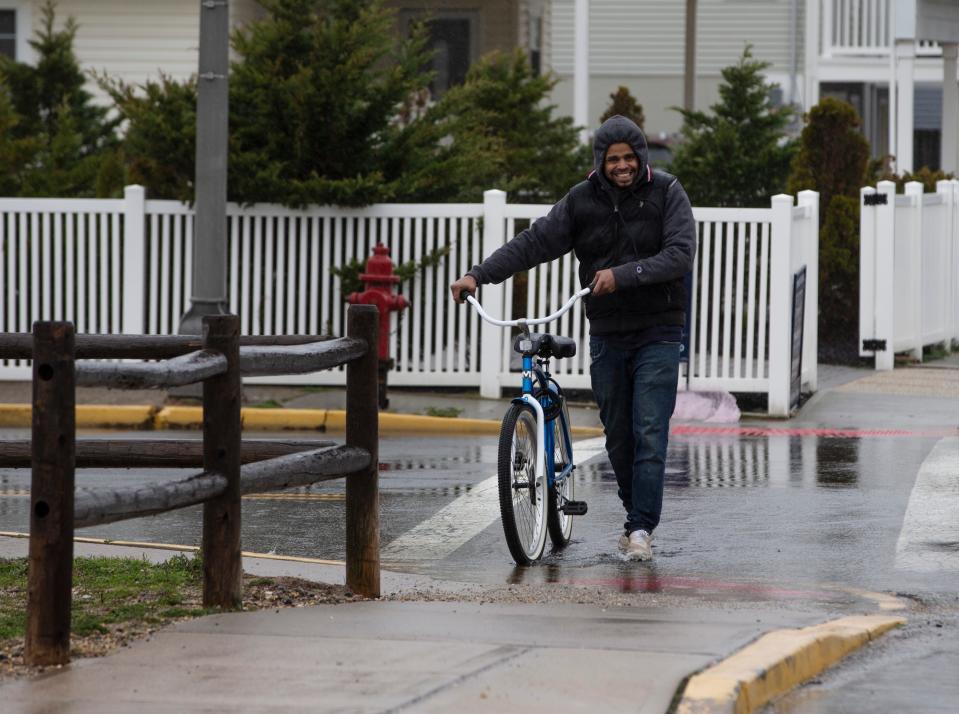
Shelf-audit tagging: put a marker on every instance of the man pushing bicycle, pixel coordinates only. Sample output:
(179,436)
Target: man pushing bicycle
(633,232)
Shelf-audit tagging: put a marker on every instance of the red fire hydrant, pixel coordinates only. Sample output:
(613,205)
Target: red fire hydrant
(379,280)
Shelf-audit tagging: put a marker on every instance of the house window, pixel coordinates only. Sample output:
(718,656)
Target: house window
(8,33)
(536,44)
(452,39)
(449,38)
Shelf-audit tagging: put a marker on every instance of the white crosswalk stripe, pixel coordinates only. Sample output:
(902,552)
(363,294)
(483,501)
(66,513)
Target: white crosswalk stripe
(458,522)
(929,539)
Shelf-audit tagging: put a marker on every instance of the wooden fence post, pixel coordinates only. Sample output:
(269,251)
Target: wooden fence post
(362,430)
(50,575)
(222,559)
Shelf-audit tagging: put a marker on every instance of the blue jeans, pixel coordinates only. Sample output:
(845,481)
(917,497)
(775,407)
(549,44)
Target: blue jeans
(636,393)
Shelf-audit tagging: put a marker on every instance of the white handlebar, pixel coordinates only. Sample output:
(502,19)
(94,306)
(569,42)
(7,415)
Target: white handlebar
(527,321)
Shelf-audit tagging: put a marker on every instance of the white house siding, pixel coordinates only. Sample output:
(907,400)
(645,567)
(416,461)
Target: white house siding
(136,40)
(640,44)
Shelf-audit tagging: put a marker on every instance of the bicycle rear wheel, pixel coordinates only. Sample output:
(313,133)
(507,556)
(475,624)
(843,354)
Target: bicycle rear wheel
(522,497)
(560,524)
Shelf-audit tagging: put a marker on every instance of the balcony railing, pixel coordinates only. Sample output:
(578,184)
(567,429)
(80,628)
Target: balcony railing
(862,28)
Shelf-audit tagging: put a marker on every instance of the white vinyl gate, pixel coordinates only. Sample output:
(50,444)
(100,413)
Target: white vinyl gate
(908,269)
(125,265)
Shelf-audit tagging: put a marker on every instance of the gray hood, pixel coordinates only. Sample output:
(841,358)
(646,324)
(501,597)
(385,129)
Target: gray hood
(620,129)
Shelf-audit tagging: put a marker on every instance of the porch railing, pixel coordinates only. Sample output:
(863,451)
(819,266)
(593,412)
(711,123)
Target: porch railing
(862,28)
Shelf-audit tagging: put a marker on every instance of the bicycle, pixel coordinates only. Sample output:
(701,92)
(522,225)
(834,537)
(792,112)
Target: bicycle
(535,460)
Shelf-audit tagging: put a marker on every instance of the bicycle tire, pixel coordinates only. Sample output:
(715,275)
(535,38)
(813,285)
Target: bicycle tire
(522,498)
(559,524)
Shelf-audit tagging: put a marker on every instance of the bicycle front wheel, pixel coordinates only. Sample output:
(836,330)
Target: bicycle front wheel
(522,497)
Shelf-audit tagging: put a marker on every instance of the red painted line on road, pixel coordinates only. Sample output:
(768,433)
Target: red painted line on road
(697,430)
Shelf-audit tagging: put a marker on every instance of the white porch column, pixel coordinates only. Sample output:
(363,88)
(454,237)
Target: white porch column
(812,49)
(950,109)
(905,91)
(581,70)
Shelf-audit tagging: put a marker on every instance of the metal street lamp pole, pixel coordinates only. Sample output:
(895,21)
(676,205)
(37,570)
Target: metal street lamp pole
(689,85)
(209,291)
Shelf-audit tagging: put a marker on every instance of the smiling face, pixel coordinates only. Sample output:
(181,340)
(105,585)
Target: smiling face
(621,165)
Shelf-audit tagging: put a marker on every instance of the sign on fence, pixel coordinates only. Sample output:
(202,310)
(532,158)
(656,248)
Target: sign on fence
(798,323)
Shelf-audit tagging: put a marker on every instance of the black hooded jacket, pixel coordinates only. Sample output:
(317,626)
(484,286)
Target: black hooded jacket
(645,233)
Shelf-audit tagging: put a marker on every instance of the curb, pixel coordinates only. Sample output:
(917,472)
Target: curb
(258,419)
(777,662)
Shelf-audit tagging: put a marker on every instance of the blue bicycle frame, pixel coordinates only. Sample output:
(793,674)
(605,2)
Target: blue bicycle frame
(531,371)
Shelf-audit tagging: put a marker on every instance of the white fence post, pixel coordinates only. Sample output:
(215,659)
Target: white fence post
(947,279)
(811,308)
(491,337)
(780,305)
(134,260)
(884,276)
(954,265)
(867,267)
(914,190)
(946,189)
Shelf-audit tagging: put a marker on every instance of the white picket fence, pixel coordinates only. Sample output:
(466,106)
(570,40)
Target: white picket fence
(125,265)
(908,269)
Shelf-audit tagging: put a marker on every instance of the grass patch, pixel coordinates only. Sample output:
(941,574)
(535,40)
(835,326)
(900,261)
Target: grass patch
(107,592)
(118,600)
(446,412)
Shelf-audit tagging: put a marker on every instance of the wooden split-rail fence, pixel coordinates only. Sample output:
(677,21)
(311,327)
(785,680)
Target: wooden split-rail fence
(231,465)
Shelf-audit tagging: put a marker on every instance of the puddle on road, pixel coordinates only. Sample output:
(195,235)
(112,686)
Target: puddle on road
(750,462)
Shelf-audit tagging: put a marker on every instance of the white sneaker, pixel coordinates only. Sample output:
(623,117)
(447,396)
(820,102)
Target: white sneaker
(637,545)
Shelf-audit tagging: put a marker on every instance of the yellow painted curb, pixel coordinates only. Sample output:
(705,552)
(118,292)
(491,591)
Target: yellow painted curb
(777,662)
(15,416)
(258,419)
(91,416)
(88,416)
(253,418)
(179,418)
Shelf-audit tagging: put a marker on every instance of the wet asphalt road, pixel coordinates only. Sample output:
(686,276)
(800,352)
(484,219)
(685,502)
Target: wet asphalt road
(783,520)
(767,516)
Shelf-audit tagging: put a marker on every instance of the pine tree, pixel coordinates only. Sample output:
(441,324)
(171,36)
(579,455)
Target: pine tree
(833,159)
(737,154)
(313,99)
(507,134)
(57,112)
(16,153)
(623,103)
(833,154)
(159,146)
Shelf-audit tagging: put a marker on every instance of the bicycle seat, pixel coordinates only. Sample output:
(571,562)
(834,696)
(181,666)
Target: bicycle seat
(544,345)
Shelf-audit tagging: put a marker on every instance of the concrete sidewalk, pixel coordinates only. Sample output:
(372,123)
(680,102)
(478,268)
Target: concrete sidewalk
(429,646)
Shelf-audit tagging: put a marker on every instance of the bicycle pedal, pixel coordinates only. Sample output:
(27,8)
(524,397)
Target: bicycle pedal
(574,508)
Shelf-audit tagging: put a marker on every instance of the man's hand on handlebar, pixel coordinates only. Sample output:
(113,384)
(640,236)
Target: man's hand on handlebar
(466,284)
(604,282)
